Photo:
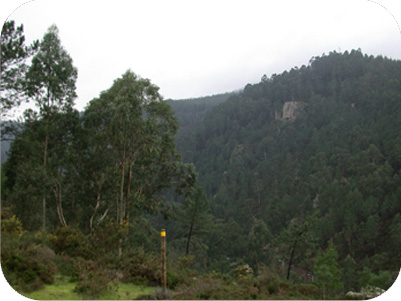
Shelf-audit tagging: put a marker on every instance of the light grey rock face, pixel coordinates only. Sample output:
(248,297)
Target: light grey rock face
(365,294)
(292,110)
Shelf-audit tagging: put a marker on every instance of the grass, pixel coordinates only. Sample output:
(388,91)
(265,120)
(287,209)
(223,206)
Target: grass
(63,289)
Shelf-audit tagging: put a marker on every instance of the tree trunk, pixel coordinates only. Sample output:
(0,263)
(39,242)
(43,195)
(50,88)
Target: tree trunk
(291,258)
(44,171)
(58,195)
(122,183)
(94,212)
(189,239)
(99,184)
(191,228)
(128,194)
(121,209)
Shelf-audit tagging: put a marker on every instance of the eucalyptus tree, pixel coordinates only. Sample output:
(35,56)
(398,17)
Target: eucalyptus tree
(50,82)
(132,149)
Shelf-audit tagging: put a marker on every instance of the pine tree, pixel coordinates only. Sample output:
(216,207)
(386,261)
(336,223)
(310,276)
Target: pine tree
(328,272)
(14,54)
(349,274)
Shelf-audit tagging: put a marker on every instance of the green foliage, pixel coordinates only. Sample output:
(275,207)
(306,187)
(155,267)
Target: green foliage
(26,266)
(138,263)
(382,279)
(14,53)
(51,76)
(11,225)
(193,217)
(295,241)
(106,237)
(94,284)
(242,271)
(328,272)
(271,282)
(337,157)
(349,274)
(70,241)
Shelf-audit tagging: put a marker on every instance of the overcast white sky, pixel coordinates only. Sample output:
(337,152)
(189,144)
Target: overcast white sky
(197,48)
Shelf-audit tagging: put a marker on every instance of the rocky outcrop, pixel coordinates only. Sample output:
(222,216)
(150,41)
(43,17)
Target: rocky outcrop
(237,152)
(365,294)
(292,109)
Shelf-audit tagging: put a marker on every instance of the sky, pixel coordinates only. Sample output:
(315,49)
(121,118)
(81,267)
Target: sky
(197,48)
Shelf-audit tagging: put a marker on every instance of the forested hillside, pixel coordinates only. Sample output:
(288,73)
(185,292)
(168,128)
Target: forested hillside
(190,114)
(319,142)
(287,189)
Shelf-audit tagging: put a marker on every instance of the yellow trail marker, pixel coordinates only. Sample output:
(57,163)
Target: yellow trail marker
(164,260)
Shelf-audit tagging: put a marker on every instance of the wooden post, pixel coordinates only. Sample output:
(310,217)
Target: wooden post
(164,270)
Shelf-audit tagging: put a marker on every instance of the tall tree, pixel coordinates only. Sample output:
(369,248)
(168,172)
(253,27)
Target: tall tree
(194,215)
(14,54)
(136,128)
(349,274)
(327,271)
(294,239)
(50,81)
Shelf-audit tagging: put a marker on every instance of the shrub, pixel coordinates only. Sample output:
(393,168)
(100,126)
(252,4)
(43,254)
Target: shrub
(93,284)
(242,271)
(107,236)
(271,283)
(28,268)
(382,280)
(173,279)
(12,225)
(93,279)
(70,241)
(66,267)
(214,286)
(305,290)
(139,263)
(186,261)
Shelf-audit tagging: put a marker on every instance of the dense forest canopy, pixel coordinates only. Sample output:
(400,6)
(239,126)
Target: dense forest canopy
(292,184)
(336,155)
(320,141)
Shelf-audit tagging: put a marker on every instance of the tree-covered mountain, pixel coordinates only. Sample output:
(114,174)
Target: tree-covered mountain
(321,140)
(190,114)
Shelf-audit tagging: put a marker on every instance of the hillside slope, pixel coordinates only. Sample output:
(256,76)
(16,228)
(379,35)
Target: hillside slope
(322,140)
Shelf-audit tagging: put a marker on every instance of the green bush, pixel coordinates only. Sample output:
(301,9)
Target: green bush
(29,268)
(302,290)
(140,263)
(173,279)
(93,279)
(271,283)
(12,225)
(93,284)
(107,236)
(242,271)
(66,267)
(70,241)
(219,287)
(382,280)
